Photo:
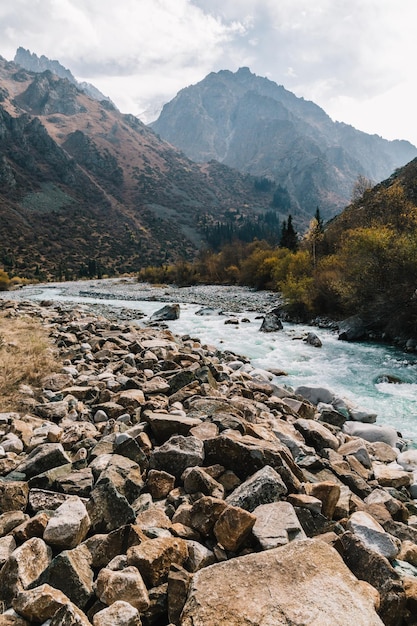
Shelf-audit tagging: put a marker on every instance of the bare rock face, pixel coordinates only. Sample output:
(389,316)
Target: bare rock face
(265,589)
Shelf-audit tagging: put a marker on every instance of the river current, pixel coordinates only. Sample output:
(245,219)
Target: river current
(358,372)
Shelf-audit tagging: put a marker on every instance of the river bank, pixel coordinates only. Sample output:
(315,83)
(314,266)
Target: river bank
(358,371)
(183,476)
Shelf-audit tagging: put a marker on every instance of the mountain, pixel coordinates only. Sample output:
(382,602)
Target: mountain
(30,61)
(85,187)
(254,125)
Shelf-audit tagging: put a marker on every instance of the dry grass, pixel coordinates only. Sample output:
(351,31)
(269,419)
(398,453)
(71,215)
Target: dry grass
(26,357)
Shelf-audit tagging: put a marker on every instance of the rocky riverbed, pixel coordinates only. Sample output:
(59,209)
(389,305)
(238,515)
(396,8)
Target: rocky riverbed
(155,480)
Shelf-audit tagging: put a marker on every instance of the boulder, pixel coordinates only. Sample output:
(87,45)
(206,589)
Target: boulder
(69,615)
(262,487)
(153,558)
(276,525)
(70,571)
(316,434)
(126,585)
(233,526)
(176,454)
(372,534)
(22,568)
(108,509)
(271,322)
(166,313)
(43,458)
(69,524)
(304,582)
(14,495)
(313,340)
(120,613)
(315,394)
(352,329)
(371,432)
(376,570)
(40,603)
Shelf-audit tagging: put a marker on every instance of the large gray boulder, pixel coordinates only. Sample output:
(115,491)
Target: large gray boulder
(166,313)
(304,582)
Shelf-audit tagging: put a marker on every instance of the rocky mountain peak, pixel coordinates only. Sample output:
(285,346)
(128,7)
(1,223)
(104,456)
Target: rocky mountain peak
(256,126)
(30,61)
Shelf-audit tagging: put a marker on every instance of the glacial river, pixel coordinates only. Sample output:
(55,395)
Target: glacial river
(351,370)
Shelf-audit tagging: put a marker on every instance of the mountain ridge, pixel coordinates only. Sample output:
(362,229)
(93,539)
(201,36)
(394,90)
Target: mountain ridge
(258,127)
(85,182)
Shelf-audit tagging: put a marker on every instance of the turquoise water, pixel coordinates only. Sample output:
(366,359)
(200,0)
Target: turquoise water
(350,370)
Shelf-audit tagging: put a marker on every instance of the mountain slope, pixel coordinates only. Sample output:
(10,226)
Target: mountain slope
(81,182)
(253,124)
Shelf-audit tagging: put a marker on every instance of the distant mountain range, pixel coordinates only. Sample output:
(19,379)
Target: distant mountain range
(256,126)
(84,186)
(30,61)
(86,190)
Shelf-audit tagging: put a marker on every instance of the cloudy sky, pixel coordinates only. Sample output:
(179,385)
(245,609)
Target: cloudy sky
(355,58)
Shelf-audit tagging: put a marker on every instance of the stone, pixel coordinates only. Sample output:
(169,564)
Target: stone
(317,434)
(392,477)
(153,558)
(276,525)
(327,492)
(23,567)
(271,322)
(375,569)
(43,499)
(178,584)
(153,517)
(33,527)
(40,603)
(372,534)
(103,548)
(120,613)
(313,340)
(7,546)
(11,618)
(69,524)
(197,480)
(304,582)
(43,458)
(408,552)
(10,520)
(70,571)
(125,476)
(357,448)
(262,487)
(159,483)
(176,454)
(77,483)
(108,509)
(199,556)
(233,526)
(14,495)
(166,313)
(126,585)
(204,513)
(165,425)
(69,615)
(315,394)
(371,432)
(305,501)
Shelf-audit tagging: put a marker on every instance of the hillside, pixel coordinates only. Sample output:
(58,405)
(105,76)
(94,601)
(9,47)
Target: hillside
(254,125)
(87,190)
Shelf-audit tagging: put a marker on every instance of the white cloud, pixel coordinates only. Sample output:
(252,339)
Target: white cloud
(348,56)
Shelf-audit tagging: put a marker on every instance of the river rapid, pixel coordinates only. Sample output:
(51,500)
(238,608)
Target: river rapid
(358,372)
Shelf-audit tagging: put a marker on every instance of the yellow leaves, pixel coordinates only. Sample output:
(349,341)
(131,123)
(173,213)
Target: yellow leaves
(4,281)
